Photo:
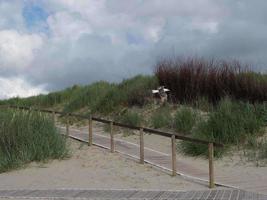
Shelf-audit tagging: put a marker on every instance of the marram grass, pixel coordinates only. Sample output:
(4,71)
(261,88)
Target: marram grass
(28,136)
(231,123)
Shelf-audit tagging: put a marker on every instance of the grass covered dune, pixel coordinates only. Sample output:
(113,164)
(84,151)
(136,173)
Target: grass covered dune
(28,136)
(218,101)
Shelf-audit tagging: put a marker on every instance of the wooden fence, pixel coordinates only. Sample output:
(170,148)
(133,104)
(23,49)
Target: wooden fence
(173,136)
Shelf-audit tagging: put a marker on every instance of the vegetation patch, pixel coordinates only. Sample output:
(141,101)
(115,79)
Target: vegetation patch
(138,89)
(218,101)
(28,136)
(104,98)
(131,118)
(89,97)
(256,151)
(194,78)
(230,123)
(162,118)
(185,119)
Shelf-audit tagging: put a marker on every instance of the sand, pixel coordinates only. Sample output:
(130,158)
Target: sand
(93,168)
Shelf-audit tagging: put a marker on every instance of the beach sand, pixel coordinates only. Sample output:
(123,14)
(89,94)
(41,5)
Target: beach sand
(93,168)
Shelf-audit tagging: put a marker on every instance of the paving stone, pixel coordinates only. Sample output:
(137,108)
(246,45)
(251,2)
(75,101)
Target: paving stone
(134,194)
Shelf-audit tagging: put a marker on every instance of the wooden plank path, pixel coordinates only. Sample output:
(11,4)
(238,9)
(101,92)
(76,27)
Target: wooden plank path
(153,157)
(163,161)
(230,194)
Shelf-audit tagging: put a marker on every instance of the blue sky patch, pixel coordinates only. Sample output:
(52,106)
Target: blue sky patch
(35,17)
(134,39)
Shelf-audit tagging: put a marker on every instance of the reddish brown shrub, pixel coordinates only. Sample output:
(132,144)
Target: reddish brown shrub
(193,78)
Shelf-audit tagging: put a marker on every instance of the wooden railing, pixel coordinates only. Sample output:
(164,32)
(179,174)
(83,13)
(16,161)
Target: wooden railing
(173,136)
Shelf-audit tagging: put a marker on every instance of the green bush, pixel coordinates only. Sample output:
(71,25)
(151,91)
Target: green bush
(231,123)
(104,97)
(89,97)
(131,118)
(28,136)
(203,104)
(261,110)
(194,149)
(263,150)
(185,119)
(138,88)
(111,101)
(162,118)
(130,92)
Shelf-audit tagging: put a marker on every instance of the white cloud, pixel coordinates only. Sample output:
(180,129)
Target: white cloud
(153,29)
(66,25)
(11,14)
(18,50)
(87,8)
(13,87)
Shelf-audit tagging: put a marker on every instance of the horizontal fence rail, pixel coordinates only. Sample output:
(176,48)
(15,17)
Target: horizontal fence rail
(106,121)
(173,136)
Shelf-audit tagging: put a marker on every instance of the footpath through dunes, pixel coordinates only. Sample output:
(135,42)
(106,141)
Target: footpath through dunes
(229,174)
(91,167)
(230,194)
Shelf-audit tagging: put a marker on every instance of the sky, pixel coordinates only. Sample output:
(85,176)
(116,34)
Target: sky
(47,45)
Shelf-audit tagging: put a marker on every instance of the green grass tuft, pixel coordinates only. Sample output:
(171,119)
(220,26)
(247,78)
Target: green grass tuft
(26,137)
(185,119)
(162,118)
(131,118)
(89,97)
(231,123)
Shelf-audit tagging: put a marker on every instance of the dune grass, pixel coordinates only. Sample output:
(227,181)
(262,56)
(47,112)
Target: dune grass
(162,118)
(103,97)
(99,97)
(89,97)
(184,120)
(231,123)
(28,136)
(131,118)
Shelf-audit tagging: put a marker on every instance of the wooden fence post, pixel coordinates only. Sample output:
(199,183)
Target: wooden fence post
(112,148)
(142,147)
(54,117)
(211,166)
(90,131)
(173,155)
(67,126)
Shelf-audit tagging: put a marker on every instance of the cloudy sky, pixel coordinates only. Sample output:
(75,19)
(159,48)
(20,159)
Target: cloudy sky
(47,45)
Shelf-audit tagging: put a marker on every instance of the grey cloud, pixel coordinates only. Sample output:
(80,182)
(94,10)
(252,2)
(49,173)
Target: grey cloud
(241,33)
(90,58)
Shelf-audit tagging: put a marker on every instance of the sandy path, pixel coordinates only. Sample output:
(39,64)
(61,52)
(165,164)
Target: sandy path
(92,167)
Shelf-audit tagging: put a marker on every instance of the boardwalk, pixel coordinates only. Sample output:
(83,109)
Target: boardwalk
(163,161)
(132,194)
